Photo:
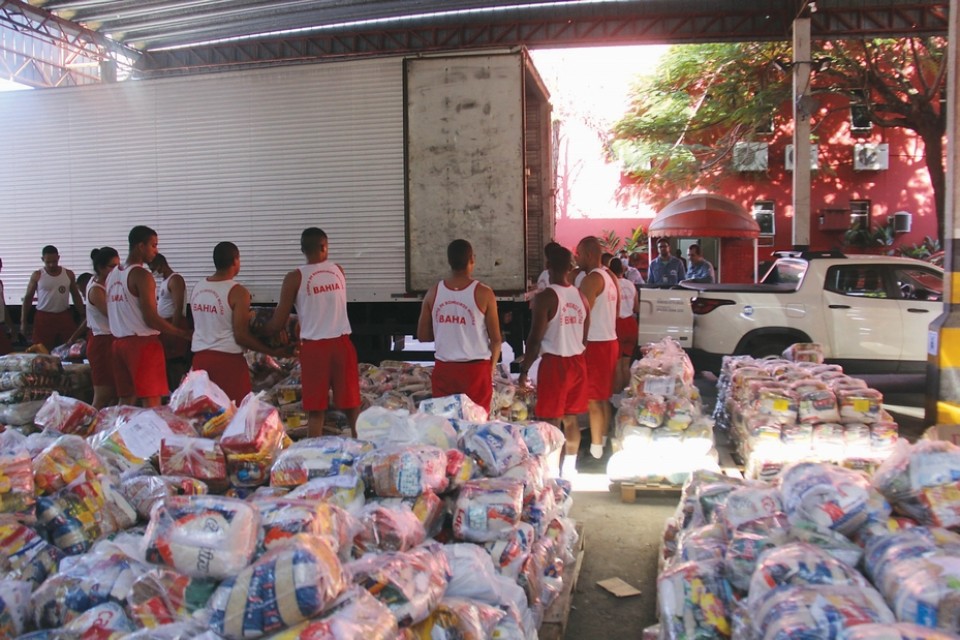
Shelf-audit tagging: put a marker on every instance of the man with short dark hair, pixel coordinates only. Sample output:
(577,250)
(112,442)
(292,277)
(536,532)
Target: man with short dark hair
(699,269)
(328,358)
(221,318)
(665,269)
(54,286)
(459,314)
(139,366)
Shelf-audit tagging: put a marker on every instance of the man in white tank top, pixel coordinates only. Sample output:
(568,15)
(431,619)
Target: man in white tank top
(603,296)
(459,314)
(627,328)
(328,358)
(221,319)
(54,286)
(139,365)
(561,320)
(171,300)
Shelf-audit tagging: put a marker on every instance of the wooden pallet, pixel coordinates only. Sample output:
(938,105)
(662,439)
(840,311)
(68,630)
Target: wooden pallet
(630,490)
(555,618)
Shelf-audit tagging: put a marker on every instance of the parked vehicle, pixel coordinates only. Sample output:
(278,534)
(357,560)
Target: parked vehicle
(870,313)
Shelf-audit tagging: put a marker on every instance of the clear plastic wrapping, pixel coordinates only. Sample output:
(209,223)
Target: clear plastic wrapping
(314,458)
(488,509)
(497,446)
(203,402)
(66,415)
(830,497)
(404,470)
(694,601)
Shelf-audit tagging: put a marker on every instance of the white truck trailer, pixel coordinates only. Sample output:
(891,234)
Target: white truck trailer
(393,157)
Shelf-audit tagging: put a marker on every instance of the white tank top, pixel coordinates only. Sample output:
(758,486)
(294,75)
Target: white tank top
(564,334)
(213,317)
(53,292)
(98,323)
(322,302)
(165,305)
(123,308)
(628,294)
(603,316)
(459,328)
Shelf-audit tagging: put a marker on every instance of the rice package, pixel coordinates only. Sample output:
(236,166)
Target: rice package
(497,446)
(821,611)
(24,555)
(89,580)
(163,596)
(291,583)
(779,404)
(14,607)
(203,402)
(282,518)
(694,601)
(62,462)
(66,415)
(798,564)
(488,509)
(859,405)
(314,458)
(16,484)
(404,470)
(411,583)
(830,497)
(202,536)
(355,614)
(345,490)
(458,406)
(387,528)
(897,631)
(200,458)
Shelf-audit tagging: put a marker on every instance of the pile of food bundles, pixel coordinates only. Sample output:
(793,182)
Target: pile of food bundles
(660,434)
(203,520)
(28,379)
(797,408)
(822,552)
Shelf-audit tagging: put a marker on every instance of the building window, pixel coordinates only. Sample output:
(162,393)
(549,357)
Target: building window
(859,214)
(859,114)
(763,213)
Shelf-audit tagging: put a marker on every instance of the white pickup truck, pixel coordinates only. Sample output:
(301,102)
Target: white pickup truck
(870,313)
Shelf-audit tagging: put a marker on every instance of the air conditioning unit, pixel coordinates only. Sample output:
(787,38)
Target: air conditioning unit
(750,156)
(869,156)
(788,161)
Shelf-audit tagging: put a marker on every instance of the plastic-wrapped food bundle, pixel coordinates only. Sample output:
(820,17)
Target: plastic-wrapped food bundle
(344,490)
(74,517)
(254,429)
(36,363)
(404,470)
(314,458)
(424,428)
(14,607)
(91,579)
(651,409)
(132,436)
(747,545)
(107,621)
(200,458)
(511,551)
(456,406)
(282,518)
(497,446)
(898,631)
(473,576)
(144,491)
(66,415)
(461,468)
(376,423)
(798,564)
(817,405)
(459,619)
(708,542)
(10,380)
(778,403)
(883,435)
(382,528)
(163,596)
(804,352)
(16,483)
(355,614)
(747,504)
(427,507)
(859,405)
(694,601)
(410,583)
(202,536)
(24,555)
(63,461)
(487,509)
(925,590)
(820,611)
(830,497)
(922,480)
(206,404)
(291,583)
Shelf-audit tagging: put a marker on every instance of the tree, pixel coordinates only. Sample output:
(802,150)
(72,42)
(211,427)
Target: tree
(683,123)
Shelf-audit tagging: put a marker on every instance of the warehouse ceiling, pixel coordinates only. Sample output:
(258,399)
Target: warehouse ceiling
(56,42)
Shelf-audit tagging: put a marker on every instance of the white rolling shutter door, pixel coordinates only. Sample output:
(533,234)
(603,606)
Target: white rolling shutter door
(251,156)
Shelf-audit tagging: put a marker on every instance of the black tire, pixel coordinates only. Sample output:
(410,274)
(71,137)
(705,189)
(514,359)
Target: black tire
(769,346)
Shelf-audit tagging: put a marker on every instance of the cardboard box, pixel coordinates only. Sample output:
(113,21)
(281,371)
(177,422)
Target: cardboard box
(948,432)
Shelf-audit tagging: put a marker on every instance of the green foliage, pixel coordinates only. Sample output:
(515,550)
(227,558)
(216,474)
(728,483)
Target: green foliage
(921,250)
(611,242)
(876,238)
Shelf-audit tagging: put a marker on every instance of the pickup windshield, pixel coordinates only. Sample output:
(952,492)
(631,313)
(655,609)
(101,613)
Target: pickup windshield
(786,271)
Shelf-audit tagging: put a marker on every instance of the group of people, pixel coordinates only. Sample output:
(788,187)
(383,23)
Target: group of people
(667,269)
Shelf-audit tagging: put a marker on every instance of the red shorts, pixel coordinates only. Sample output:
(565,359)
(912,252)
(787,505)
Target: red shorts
(561,386)
(228,371)
(139,367)
(472,378)
(601,362)
(325,364)
(100,355)
(627,329)
(53,329)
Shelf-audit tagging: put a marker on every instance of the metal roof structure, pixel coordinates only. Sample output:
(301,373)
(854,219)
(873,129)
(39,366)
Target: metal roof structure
(65,42)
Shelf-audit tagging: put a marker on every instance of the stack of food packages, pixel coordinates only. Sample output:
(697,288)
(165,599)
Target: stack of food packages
(783,410)
(26,381)
(823,552)
(660,433)
(202,520)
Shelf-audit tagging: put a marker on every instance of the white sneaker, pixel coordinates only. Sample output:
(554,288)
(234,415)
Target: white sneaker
(596,450)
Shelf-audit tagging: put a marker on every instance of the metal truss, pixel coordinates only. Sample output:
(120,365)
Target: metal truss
(40,50)
(568,28)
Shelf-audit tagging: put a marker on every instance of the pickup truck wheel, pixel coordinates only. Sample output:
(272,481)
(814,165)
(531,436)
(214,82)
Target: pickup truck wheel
(771,346)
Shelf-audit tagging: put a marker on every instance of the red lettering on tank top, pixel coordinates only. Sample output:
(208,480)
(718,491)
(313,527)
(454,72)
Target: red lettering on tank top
(326,288)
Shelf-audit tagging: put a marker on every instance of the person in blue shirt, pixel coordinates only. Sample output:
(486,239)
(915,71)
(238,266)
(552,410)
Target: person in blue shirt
(665,269)
(699,268)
